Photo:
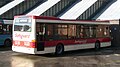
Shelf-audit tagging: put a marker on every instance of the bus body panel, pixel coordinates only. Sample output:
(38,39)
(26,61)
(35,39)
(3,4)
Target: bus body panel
(52,49)
(49,46)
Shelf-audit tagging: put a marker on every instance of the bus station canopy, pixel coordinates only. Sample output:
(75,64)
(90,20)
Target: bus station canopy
(112,12)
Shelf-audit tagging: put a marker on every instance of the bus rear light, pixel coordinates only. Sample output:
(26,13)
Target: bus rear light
(33,44)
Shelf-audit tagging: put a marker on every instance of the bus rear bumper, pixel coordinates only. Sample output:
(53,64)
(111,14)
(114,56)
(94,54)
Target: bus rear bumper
(32,50)
(23,50)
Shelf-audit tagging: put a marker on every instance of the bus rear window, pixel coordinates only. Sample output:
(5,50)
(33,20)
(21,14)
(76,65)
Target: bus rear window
(25,28)
(23,25)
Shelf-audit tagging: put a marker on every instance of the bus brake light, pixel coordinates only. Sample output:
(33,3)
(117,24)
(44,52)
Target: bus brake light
(33,44)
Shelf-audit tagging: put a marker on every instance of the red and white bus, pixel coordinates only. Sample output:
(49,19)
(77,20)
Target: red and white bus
(38,34)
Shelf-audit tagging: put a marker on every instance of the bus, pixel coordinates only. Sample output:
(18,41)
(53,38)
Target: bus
(42,34)
(6,32)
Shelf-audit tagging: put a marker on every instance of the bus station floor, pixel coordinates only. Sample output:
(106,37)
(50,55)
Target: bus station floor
(105,57)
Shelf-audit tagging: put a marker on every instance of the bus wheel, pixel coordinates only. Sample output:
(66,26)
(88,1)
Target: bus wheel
(97,45)
(59,49)
(7,43)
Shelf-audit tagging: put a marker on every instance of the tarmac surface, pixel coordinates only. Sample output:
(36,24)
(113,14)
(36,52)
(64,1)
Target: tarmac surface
(105,57)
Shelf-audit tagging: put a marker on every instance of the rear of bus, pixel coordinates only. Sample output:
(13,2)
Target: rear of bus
(23,34)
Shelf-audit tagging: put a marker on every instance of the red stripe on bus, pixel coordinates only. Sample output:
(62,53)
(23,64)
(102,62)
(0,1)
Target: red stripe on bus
(76,41)
(64,42)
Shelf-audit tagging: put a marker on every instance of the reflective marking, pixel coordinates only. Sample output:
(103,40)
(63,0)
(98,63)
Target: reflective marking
(3,52)
(116,54)
(108,56)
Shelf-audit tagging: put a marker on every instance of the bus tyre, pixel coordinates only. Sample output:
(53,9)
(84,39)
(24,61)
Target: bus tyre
(7,43)
(59,49)
(97,46)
